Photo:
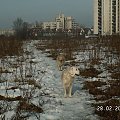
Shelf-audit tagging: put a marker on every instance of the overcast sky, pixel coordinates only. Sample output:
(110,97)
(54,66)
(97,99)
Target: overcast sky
(45,10)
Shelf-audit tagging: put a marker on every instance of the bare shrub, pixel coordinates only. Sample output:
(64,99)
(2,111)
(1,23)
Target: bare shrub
(108,109)
(10,47)
(89,72)
(29,107)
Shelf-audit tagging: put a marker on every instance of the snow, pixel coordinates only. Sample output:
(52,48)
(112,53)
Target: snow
(55,106)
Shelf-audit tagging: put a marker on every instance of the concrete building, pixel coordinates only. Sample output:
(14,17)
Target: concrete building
(7,32)
(106,17)
(61,22)
(69,22)
(49,25)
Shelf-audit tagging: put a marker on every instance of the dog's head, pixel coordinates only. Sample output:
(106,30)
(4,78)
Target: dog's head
(74,71)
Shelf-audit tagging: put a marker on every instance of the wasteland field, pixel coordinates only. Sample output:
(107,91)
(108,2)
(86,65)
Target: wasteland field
(30,82)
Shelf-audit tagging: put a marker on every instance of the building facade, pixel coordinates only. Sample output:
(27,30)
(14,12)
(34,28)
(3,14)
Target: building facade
(7,32)
(49,25)
(106,17)
(61,22)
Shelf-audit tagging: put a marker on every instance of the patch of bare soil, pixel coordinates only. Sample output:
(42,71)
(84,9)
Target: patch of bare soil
(95,61)
(29,107)
(109,110)
(115,75)
(107,103)
(90,72)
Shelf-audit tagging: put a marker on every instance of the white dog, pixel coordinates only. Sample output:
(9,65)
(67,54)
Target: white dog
(60,61)
(67,79)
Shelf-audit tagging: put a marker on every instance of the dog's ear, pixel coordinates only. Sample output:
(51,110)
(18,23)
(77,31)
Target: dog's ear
(71,71)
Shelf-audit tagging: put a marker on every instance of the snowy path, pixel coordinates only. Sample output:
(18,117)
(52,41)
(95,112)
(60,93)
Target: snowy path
(55,106)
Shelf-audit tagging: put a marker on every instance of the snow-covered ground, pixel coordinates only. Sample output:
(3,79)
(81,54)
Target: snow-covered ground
(55,106)
(50,96)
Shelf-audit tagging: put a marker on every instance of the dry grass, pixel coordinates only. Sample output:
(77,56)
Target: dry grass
(93,84)
(109,111)
(9,46)
(59,45)
(18,98)
(20,79)
(33,82)
(12,47)
(96,61)
(89,72)
(29,107)
(107,97)
(108,45)
(116,75)
(3,70)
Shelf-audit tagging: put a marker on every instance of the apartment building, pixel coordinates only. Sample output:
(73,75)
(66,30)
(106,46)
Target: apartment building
(61,22)
(106,17)
(7,32)
(69,22)
(49,25)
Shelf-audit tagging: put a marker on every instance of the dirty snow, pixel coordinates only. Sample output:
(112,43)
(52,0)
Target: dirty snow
(55,106)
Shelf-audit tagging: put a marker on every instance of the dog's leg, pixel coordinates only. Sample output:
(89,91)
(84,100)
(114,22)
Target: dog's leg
(59,67)
(65,92)
(70,91)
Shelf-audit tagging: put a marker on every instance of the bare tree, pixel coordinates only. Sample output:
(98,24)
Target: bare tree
(20,28)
